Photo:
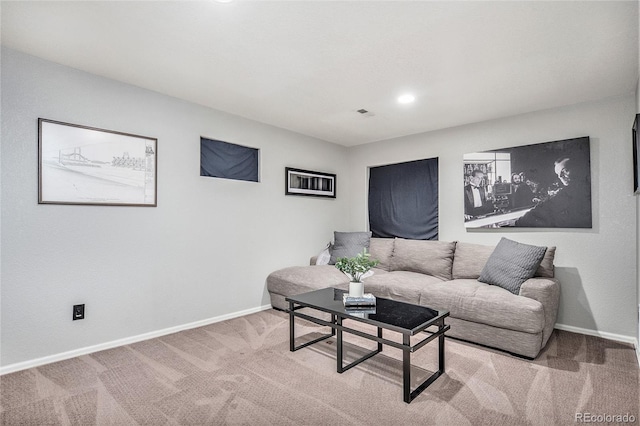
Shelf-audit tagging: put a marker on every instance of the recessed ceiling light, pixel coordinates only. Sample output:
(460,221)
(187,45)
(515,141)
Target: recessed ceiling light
(406,99)
(224,1)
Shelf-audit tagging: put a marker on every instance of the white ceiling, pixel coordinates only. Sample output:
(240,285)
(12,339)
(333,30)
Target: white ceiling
(308,66)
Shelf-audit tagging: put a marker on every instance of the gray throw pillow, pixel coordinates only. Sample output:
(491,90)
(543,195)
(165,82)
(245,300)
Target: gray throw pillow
(511,264)
(546,266)
(348,244)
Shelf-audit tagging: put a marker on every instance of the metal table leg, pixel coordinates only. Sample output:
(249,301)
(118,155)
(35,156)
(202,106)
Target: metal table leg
(406,364)
(340,356)
(406,368)
(292,334)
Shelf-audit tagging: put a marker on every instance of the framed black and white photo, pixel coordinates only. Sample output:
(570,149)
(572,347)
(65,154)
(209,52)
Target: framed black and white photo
(545,185)
(85,165)
(306,182)
(636,158)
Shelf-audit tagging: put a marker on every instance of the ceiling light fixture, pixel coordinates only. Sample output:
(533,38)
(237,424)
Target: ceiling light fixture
(406,99)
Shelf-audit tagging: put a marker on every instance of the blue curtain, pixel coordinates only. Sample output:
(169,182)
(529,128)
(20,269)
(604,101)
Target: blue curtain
(227,160)
(403,200)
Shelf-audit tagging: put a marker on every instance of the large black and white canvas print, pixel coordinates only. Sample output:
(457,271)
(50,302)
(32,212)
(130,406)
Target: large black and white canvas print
(546,185)
(85,165)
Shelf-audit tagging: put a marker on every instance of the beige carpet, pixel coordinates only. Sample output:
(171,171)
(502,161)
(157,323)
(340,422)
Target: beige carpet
(241,372)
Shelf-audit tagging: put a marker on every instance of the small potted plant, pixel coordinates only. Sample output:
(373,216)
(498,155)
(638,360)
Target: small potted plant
(356,268)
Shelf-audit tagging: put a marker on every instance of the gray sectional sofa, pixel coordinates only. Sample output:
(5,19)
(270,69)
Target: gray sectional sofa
(443,275)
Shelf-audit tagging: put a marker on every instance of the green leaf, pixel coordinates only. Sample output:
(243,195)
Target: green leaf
(356,266)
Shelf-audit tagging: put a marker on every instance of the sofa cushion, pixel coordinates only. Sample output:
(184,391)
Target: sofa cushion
(471,300)
(469,259)
(511,264)
(513,341)
(426,257)
(381,249)
(348,244)
(399,285)
(301,279)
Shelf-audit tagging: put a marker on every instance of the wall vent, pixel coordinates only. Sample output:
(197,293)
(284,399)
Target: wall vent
(365,112)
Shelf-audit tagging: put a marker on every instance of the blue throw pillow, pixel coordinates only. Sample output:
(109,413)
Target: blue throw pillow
(511,264)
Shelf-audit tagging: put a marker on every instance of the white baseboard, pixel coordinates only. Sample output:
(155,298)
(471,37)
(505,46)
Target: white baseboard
(12,368)
(603,334)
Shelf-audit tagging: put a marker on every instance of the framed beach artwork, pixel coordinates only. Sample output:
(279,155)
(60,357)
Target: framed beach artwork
(89,166)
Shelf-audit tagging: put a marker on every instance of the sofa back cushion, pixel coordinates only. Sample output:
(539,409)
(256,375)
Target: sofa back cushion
(381,250)
(469,259)
(426,257)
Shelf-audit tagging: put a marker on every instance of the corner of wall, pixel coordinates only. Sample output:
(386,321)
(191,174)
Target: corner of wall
(1,127)
(638,96)
(638,238)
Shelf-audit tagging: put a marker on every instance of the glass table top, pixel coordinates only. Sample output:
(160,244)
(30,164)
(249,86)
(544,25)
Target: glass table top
(390,314)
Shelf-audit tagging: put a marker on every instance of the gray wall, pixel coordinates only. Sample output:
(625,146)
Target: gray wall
(597,267)
(205,251)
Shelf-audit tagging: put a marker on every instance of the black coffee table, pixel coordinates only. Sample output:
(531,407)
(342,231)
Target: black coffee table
(401,317)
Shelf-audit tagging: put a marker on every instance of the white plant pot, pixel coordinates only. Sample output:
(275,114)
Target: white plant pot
(356,289)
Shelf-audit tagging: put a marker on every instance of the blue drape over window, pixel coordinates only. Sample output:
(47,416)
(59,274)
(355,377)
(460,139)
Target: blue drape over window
(403,200)
(227,160)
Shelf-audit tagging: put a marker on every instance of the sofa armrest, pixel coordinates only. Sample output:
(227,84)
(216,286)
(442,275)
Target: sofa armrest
(547,292)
